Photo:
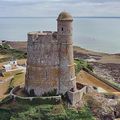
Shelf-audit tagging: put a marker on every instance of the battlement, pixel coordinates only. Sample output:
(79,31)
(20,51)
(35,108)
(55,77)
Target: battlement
(41,33)
(39,36)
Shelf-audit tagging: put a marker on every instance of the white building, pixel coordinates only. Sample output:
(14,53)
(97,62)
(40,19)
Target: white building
(13,63)
(7,67)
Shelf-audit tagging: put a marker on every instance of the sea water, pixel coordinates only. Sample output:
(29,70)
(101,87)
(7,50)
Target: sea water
(98,34)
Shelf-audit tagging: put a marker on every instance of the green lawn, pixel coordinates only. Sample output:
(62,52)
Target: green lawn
(19,78)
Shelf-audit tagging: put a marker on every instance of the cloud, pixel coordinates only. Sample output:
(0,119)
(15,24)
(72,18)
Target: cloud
(53,7)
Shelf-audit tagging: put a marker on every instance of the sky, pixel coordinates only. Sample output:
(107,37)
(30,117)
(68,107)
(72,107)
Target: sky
(51,8)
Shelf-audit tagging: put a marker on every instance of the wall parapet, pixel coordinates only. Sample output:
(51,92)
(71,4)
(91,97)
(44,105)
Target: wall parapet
(42,36)
(76,96)
(40,100)
(41,33)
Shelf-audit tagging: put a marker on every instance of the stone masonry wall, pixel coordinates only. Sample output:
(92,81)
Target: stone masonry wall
(67,68)
(42,63)
(50,63)
(76,97)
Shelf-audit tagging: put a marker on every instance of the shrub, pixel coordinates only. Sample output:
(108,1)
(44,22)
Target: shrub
(5,114)
(51,93)
(92,102)
(80,64)
(83,114)
(117,110)
(6,100)
(12,53)
(110,95)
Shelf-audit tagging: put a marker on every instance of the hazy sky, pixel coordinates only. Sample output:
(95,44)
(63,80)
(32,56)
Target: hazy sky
(38,8)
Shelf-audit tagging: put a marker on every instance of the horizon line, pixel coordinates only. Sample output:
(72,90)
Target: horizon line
(55,17)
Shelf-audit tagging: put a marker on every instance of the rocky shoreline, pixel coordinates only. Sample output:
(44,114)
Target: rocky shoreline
(109,71)
(105,65)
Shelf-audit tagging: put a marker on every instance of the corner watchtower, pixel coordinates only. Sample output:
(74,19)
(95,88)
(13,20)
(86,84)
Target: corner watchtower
(67,79)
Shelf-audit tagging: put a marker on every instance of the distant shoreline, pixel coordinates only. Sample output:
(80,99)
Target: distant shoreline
(73,17)
(96,33)
(20,44)
(104,63)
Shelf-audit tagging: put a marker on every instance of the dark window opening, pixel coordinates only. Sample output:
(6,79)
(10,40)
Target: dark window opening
(62,29)
(32,94)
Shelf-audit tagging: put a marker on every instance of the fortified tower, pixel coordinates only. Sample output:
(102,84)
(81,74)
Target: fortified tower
(67,78)
(50,63)
(42,63)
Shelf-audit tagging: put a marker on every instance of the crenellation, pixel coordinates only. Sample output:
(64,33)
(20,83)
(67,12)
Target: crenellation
(47,32)
(41,33)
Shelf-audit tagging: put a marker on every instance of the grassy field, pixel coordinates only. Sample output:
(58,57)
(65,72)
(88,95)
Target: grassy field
(7,53)
(81,64)
(19,78)
(3,89)
(2,56)
(25,111)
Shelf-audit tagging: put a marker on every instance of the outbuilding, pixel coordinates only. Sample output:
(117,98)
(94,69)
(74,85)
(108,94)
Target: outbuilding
(7,67)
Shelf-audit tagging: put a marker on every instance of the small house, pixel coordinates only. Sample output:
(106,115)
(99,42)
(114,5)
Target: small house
(14,62)
(7,67)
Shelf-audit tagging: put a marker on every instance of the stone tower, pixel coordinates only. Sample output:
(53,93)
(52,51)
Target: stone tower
(67,78)
(50,63)
(42,63)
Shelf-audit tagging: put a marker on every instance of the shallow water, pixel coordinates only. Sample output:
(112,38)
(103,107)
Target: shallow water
(99,34)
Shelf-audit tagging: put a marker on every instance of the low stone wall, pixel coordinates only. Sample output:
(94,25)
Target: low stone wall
(35,100)
(6,100)
(76,96)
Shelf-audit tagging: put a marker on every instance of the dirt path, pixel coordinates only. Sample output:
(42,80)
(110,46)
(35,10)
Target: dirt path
(87,79)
